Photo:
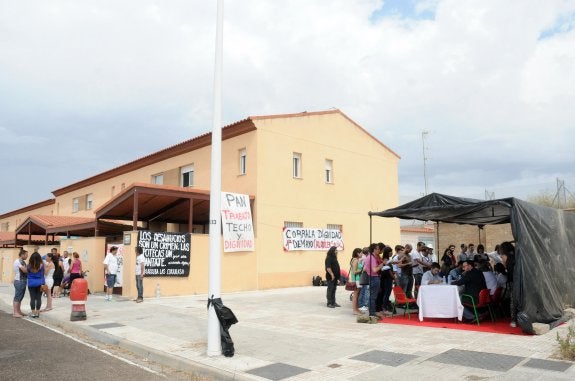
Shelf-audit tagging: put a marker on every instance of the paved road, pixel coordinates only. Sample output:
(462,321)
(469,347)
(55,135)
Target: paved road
(29,351)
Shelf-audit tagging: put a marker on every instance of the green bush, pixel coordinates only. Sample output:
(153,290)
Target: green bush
(567,344)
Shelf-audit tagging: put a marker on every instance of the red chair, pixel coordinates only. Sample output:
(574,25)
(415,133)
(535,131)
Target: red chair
(497,300)
(400,298)
(484,302)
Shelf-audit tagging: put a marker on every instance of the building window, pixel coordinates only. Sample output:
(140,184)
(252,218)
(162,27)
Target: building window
(243,161)
(297,165)
(5,226)
(75,204)
(187,176)
(158,179)
(89,201)
(328,171)
(334,227)
(293,224)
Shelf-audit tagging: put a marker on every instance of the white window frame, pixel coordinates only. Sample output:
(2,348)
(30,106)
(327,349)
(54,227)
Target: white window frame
(243,161)
(328,171)
(296,164)
(75,204)
(89,201)
(158,179)
(188,169)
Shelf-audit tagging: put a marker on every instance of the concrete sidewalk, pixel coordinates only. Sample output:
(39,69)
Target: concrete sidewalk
(289,334)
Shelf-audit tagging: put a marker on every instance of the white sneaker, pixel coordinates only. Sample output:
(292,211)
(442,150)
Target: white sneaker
(363,309)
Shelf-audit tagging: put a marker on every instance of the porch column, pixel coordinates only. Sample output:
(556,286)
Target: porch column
(135,213)
(191,216)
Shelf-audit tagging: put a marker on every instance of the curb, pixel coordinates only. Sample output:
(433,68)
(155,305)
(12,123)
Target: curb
(163,358)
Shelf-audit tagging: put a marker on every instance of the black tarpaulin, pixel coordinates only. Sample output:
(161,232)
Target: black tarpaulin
(226,318)
(544,247)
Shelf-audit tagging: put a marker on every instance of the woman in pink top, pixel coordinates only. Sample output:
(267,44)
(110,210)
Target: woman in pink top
(75,268)
(372,265)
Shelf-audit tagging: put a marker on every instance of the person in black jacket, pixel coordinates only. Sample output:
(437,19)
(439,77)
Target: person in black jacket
(332,274)
(473,281)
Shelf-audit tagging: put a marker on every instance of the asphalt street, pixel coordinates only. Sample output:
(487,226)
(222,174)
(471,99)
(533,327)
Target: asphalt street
(30,351)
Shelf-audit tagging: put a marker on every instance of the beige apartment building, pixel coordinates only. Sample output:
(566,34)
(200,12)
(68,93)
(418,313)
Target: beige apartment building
(316,170)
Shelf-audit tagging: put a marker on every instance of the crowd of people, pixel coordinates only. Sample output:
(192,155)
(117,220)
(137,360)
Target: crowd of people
(52,275)
(375,270)
(44,275)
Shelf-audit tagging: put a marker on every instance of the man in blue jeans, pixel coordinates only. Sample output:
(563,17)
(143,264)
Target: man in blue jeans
(111,269)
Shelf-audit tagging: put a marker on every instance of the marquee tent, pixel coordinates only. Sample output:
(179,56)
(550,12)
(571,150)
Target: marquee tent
(544,274)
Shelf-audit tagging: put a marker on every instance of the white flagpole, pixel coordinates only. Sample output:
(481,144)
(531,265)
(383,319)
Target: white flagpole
(214,283)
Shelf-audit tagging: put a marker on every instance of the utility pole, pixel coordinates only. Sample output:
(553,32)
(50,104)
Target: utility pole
(214,271)
(489,195)
(424,134)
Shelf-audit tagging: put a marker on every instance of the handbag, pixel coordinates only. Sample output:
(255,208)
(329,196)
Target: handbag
(364,278)
(350,284)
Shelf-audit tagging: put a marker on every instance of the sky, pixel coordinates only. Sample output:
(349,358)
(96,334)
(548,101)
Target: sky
(485,88)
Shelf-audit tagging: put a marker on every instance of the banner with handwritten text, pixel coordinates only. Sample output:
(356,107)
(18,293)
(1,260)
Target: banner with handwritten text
(237,223)
(311,239)
(166,254)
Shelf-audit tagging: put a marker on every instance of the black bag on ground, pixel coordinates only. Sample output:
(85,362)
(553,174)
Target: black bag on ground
(316,280)
(227,319)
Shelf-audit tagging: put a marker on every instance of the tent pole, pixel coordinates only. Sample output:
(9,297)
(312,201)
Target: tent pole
(370,229)
(437,239)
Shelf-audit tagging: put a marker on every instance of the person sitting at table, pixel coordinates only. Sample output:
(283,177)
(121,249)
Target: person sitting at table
(455,274)
(490,279)
(432,276)
(473,282)
(500,275)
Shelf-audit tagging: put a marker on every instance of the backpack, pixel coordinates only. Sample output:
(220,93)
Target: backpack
(316,280)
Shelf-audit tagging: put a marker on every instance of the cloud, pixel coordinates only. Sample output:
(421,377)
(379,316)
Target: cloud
(103,82)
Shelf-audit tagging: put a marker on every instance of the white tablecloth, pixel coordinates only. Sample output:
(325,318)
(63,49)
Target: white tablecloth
(439,301)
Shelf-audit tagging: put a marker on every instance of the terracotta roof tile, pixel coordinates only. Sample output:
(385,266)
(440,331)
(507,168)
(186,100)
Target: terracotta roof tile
(57,221)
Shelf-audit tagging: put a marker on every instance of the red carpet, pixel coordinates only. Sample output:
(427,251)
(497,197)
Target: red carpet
(498,326)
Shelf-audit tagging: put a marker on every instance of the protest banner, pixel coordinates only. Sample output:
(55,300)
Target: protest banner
(166,254)
(237,223)
(311,239)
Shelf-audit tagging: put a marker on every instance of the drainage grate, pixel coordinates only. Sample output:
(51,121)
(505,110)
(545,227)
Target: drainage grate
(481,360)
(559,366)
(277,371)
(385,358)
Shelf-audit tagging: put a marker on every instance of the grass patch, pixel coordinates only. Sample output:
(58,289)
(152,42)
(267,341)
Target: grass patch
(567,344)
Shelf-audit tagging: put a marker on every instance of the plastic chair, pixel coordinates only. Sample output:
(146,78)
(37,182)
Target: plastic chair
(400,298)
(497,299)
(484,302)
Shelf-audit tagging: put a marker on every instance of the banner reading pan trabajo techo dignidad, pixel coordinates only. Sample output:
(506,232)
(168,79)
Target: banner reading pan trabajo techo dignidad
(311,239)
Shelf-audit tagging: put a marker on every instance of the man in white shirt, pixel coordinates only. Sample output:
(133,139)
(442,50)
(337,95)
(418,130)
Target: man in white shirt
(432,276)
(140,267)
(65,263)
(111,269)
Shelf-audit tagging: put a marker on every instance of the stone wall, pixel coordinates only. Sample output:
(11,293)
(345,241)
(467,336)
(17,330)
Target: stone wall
(455,234)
